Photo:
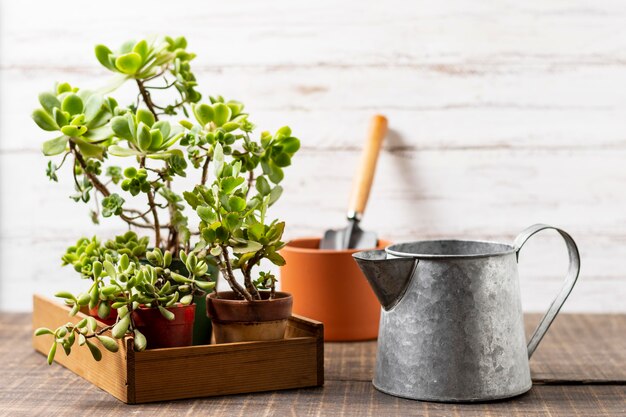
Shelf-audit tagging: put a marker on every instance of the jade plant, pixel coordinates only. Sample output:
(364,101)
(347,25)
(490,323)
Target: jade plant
(127,286)
(94,131)
(234,226)
(167,133)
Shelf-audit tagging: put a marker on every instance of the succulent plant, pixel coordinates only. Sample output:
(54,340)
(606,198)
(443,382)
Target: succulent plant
(86,251)
(234,227)
(125,286)
(244,173)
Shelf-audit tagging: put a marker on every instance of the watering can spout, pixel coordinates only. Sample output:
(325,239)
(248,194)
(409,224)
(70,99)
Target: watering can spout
(388,277)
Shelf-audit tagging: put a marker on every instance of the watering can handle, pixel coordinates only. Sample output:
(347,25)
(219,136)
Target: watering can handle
(570,280)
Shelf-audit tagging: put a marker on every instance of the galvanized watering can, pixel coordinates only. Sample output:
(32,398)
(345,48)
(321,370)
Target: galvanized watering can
(452,328)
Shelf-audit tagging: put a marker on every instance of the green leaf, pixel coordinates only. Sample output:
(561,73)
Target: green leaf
(72,104)
(230,126)
(164,127)
(110,269)
(55,146)
(73,131)
(276,258)
(120,329)
(282,159)
(156,140)
(102,54)
(119,151)
(141,48)
(205,285)
(52,352)
(93,106)
(249,246)
(92,323)
(104,310)
(187,299)
(60,117)
(218,160)
(221,114)
(42,330)
(66,295)
(235,107)
(276,175)
(229,184)
(98,134)
(87,149)
(49,102)
(95,352)
(283,131)
(166,155)
(128,63)
(166,313)
(290,145)
(204,113)
(232,221)
(206,213)
(121,128)
(262,186)
(275,194)
(140,341)
(144,139)
(44,120)
(145,116)
(236,203)
(256,231)
(109,343)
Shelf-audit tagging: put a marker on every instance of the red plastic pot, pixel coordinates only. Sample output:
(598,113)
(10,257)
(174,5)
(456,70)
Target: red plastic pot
(111,319)
(163,333)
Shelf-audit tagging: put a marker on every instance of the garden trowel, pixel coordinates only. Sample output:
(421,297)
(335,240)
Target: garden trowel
(353,237)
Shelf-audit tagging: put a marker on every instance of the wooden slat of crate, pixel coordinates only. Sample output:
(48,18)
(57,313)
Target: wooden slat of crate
(195,371)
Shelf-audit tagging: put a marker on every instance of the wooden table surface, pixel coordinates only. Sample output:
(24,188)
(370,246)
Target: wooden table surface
(579,370)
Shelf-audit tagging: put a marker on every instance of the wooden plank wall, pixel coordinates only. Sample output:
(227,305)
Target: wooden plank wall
(503,114)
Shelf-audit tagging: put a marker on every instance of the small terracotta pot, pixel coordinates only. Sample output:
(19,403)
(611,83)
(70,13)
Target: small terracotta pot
(163,333)
(328,286)
(109,320)
(237,320)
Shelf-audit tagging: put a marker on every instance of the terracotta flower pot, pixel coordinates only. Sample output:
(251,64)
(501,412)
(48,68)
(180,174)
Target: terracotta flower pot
(109,320)
(163,333)
(236,320)
(328,286)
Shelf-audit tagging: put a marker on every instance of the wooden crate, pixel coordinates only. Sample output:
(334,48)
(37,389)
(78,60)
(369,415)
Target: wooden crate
(195,371)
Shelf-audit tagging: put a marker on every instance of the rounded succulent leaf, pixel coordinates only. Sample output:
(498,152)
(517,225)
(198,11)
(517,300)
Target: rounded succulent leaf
(128,63)
(72,104)
(221,114)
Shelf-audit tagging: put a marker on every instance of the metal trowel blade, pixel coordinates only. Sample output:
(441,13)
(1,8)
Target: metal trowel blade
(353,235)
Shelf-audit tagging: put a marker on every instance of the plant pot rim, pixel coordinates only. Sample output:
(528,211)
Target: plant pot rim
(231,309)
(292,246)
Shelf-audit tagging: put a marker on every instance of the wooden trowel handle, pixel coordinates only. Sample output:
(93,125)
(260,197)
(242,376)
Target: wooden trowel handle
(366,169)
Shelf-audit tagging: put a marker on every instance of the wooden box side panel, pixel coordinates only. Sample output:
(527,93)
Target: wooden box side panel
(226,369)
(109,374)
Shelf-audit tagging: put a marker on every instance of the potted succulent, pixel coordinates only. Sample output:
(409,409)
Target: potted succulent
(153,304)
(235,230)
(93,131)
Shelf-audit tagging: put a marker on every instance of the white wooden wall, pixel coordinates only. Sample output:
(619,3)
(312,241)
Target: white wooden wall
(502,113)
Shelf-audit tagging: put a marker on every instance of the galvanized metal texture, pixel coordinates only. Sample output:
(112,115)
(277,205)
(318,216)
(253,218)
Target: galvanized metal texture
(452,325)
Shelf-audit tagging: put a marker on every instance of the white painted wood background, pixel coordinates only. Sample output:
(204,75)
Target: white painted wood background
(502,113)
